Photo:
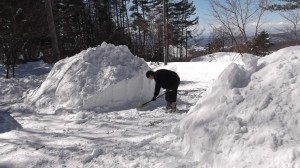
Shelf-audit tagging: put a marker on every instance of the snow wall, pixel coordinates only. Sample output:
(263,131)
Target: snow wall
(251,116)
(106,77)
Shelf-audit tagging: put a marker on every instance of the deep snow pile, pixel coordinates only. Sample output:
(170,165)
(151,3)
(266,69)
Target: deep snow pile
(251,116)
(105,77)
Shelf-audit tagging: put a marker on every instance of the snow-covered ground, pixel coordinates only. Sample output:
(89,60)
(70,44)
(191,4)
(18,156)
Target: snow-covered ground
(231,113)
(221,57)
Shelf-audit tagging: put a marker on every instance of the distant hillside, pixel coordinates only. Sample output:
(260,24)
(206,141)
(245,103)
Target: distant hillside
(280,40)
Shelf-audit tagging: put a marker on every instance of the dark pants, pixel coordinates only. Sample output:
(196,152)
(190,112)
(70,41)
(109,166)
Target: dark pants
(171,94)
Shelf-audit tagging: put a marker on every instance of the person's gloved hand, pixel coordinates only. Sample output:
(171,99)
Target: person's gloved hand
(167,91)
(153,99)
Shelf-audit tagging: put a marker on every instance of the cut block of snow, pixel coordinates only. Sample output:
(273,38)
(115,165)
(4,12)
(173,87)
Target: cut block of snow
(105,77)
(234,76)
(250,63)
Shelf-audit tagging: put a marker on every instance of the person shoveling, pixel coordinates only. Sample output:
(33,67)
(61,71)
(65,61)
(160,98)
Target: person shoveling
(168,80)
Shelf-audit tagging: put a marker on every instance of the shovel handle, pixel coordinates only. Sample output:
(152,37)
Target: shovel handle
(151,100)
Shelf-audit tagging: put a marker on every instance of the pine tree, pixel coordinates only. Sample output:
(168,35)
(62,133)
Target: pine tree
(261,44)
(139,10)
(180,20)
(21,24)
(288,5)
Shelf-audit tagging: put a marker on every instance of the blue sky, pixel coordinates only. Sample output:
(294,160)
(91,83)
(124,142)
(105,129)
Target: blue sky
(202,9)
(271,20)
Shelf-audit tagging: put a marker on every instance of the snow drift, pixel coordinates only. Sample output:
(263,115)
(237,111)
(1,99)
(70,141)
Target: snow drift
(105,77)
(251,114)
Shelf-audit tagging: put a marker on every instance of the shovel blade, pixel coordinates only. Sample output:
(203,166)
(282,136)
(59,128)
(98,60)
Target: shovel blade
(140,106)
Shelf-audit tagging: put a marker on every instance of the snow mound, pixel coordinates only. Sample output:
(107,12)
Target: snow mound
(251,114)
(8,123)
(105,77)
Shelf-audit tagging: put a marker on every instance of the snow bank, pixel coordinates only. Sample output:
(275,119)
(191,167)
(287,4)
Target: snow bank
(105,77)
(250,118)
(221,57)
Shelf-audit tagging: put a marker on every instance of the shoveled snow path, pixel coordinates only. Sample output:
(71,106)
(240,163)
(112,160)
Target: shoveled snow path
(128,138)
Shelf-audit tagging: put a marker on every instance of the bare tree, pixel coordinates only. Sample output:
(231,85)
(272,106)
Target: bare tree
(284,5)
(236,16)
(292,17)
(221,35)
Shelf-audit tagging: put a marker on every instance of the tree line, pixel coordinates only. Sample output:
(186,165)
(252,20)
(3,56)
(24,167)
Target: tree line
(55,29)
(234,17)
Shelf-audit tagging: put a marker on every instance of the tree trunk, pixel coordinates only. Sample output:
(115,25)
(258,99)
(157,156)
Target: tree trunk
(51,25)
(165,42)
(7,67)
(186,44)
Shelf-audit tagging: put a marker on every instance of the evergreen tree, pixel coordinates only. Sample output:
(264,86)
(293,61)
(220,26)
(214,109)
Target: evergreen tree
(120,34)
(89,23)
(80,24)
(180,20)
(140,25)
(261,44)
(154,38)
(287,5)
(147,27)
(21,26)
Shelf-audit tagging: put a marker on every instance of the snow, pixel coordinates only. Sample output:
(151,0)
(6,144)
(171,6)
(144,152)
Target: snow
(8,123)
(250,118)
(95,78)
(198,48)
(80,112)
(221,57)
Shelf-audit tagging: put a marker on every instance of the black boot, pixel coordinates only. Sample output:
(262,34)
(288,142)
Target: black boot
(168,105)
(173,107)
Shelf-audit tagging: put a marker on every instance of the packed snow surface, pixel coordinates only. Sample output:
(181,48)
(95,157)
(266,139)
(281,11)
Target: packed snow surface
(231,113)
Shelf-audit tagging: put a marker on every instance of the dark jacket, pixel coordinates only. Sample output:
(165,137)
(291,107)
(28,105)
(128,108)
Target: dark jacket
(165,79)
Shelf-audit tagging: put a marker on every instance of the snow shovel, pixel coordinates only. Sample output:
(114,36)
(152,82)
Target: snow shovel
(144,104)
